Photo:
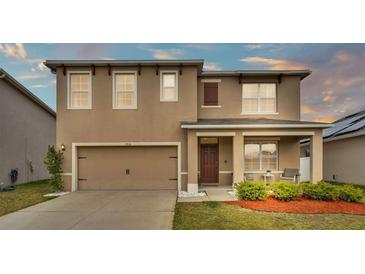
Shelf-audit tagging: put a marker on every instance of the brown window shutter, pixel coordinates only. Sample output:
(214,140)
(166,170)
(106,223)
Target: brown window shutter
(210,94)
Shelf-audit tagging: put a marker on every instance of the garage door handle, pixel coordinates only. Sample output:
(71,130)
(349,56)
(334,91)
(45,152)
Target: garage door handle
(173,157)
(80,179)
(173,179)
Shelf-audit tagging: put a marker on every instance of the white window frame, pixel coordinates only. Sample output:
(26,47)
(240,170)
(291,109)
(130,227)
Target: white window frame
(258,100)
(134,106)
(162,72)
(260,143)
(69,97)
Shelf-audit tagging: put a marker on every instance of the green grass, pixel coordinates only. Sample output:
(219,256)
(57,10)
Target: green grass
(24,195)
(219,215)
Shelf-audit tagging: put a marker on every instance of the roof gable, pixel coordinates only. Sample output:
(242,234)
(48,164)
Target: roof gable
(11,80)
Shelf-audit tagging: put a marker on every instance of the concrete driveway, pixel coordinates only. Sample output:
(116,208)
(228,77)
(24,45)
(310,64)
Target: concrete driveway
(98,210)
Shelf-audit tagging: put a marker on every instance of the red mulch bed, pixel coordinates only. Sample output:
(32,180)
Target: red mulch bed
(303,205)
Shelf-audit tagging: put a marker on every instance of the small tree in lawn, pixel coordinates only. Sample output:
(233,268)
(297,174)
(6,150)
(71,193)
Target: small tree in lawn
(53,162)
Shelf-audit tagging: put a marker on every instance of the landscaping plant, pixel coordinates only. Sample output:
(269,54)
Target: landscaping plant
(321,191)
(286,191)
(53,162)
(251,191)
(351,194)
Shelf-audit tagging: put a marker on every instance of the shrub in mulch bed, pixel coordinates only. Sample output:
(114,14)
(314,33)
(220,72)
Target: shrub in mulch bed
(303,205)
(321,191)
(286,191)
(351,194)
(251,191)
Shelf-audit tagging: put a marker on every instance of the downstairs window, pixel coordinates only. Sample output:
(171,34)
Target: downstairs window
(261,156)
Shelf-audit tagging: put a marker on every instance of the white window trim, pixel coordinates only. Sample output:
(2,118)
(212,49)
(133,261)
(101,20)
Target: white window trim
(69,105)
(258,101)
(261,113)
(211,80)
(213,106)
(162,72)
(260,154)
(134,106)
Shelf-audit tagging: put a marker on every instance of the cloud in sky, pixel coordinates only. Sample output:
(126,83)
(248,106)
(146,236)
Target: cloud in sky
(40,86)
(343,56)
(106,58)
(254,46)
(211,66)
(273,63)
(166,53)
(16,51)
(201,46)
(31,76)
(308,110)
(337,85)
(46,85)
(335,88)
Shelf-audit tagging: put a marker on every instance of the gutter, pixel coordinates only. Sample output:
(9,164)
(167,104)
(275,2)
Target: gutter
(256,126)
(336,138)
(345,136)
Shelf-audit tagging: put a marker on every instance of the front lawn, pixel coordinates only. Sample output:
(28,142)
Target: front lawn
(23,196)
(220,215)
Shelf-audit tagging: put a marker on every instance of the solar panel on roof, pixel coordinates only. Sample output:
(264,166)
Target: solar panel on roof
(337,127)
(356,126)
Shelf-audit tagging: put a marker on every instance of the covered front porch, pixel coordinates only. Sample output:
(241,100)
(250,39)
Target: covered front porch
(221,157)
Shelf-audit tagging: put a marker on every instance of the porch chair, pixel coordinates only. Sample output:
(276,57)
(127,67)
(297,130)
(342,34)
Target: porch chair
(290,174)
(248,177)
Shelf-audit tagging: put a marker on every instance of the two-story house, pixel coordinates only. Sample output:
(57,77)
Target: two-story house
(168,124)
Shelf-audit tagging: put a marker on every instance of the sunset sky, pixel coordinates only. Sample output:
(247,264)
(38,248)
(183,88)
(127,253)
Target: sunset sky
(336,87)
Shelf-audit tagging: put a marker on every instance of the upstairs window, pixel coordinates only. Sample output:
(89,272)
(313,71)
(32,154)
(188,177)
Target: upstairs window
(124,90)
(261,156)
(210,94)
(258,98)
(79,90)
(169,90)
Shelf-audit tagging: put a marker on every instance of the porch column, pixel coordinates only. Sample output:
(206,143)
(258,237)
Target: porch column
(238,159)
(316,157)
(192,161)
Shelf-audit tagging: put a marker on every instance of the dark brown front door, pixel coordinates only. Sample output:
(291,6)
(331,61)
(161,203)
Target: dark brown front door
(209,164)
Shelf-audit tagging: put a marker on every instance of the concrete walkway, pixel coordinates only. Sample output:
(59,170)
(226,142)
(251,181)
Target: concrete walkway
(213,194)
(98,210)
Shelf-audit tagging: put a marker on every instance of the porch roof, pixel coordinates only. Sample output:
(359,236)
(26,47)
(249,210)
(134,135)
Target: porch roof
(251,123)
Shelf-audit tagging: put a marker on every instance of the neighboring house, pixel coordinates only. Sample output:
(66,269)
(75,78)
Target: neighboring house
(27,127)
(343,150)
(167,124)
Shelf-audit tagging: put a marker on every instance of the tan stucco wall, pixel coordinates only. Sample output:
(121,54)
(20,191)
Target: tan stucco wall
(156,121)
(26,130)
(316,152)
(153,121)
(230,98)
(346,159)
(289,151)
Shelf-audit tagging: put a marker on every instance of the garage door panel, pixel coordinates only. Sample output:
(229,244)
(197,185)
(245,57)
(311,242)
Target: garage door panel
(127,168)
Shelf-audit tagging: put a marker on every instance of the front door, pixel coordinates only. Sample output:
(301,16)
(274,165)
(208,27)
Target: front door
(209,167)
